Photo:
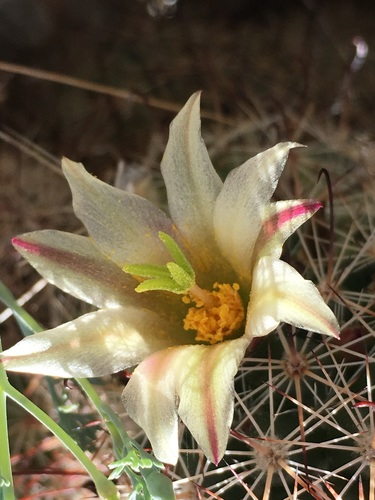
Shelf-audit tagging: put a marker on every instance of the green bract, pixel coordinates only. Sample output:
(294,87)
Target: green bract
(176,277)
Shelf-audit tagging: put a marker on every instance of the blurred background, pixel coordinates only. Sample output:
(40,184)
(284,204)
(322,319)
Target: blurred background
(99,81)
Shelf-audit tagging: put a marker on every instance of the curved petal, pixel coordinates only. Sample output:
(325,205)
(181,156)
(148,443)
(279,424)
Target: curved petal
(279,293)
(206,394)
(95,344)
(239,207)
(74,264)
(191,181)
(123,225)
(281,220)
(196,379)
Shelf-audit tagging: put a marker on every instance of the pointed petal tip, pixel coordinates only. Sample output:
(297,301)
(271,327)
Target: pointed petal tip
(328,324)
(288,145)
(194,99)
(284,148)
(72,168)
(69,164)
(335,331)
(280,293)
(312,205)
(329,329)
(21,243)
(196,95)
(217,459)
(292,144)
(332,327)
(11,363)
(16,241)
(190,111)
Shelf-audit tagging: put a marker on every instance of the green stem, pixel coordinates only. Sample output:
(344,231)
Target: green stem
(105,488)
(112,420)
(6,480)
(27,323)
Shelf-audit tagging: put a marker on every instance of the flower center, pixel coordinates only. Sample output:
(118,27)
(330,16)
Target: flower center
(216,314)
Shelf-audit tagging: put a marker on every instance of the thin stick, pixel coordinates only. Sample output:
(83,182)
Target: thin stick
(78,83)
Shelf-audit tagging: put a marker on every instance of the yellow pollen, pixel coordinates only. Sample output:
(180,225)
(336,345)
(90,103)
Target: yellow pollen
(216,314)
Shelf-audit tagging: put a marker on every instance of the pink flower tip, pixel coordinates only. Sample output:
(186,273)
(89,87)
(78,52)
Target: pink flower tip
(25,245)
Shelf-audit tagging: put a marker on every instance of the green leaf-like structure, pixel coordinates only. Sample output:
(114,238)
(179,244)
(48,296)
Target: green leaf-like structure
(176,277)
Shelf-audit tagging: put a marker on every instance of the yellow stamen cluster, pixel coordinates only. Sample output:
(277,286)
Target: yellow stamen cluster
(216,314)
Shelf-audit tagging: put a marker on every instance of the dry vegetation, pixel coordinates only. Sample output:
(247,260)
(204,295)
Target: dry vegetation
(270,71)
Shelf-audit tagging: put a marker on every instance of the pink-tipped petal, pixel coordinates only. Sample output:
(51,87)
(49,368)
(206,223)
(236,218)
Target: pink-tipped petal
(239,208)
(95,344)
(281,220)
(123,225)
(194,381)
(279,293)
(75,265)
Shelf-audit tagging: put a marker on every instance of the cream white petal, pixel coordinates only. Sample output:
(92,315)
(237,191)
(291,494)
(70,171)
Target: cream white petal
(194,381)
(150,400)
(95,344)
(123,225)
(238,212)
(280,293)
(75,265)
(191,181)
(206,394)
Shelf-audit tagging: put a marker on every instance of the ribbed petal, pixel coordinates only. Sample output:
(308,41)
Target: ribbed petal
(123,225)
(192,182)
(195,381)
(95,344)
(74,264)
(279,293)
(206,394)
(239,208)
(281,220)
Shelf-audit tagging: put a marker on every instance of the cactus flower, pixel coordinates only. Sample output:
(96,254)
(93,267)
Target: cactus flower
(179,296)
